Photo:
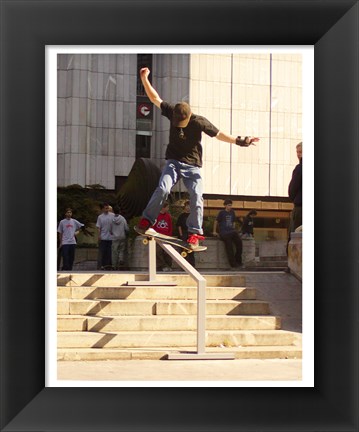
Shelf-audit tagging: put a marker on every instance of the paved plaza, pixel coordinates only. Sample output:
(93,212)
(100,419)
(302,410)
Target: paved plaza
(182,370)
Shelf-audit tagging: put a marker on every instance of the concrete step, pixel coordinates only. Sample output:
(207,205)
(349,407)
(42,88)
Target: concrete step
(214,307)
(116,279)
(143,339)
(163,323)
(146,293)
(161,353)
(274,258)
(267,269)
(270,264)
(165,307)
(101,317)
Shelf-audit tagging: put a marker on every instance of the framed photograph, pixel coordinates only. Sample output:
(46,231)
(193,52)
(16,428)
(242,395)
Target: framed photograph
(91,112)
(28,28)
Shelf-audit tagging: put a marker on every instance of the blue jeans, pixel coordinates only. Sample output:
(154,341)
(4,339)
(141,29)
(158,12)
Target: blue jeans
(105,247)
(172,172)
(68,256)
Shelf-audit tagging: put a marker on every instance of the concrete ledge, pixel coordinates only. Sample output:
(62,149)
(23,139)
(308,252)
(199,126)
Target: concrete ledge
(295,254)
(214,257)
(268,252)
(272,249)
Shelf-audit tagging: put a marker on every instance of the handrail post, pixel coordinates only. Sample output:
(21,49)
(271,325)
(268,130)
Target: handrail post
(201,317)
(201,310)
(152,260)
(152,267)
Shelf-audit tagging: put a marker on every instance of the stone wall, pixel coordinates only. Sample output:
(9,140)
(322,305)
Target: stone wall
(295,254)
(213,258)
(272,248)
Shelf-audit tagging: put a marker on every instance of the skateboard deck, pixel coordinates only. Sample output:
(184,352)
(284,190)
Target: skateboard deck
(172,241)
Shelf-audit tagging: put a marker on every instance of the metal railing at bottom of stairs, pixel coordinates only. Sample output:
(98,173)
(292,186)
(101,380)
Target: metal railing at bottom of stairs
(201,353)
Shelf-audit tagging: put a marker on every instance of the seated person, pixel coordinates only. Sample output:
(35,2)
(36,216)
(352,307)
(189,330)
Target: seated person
(226,223)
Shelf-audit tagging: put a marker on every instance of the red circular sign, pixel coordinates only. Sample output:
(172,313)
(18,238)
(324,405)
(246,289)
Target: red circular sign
(144,109)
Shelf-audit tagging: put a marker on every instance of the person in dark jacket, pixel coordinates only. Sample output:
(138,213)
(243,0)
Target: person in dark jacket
(225,222)
(295,193)
(163,226)
(247,226)
(183,230)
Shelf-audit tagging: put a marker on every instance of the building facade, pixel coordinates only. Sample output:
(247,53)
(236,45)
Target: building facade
(105,120)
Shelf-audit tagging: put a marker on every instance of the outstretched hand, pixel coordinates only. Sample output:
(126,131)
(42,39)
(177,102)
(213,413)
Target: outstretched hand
(253,140)
(246,141)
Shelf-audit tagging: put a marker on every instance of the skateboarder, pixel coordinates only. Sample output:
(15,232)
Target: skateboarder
(183,160)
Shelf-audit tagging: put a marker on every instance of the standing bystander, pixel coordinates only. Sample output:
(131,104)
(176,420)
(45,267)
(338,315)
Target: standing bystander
(119,230)
(67,231)
(104,224)
(295,194)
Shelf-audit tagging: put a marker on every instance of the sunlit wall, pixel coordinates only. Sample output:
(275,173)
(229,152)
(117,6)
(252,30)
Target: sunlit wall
(249,94)
(242,94)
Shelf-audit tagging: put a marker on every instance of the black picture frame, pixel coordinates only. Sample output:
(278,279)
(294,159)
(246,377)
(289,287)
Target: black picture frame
(26,28)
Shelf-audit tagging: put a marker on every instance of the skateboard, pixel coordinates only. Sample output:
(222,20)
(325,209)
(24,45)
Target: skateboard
(172,241)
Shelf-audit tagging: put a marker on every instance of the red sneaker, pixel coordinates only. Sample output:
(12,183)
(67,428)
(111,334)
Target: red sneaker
(142,226)
(194,239)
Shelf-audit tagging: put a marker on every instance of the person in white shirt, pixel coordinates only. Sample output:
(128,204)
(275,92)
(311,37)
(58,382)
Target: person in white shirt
(67,231)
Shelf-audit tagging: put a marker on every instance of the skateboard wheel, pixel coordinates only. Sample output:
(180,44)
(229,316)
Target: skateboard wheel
(184,254)
(145,241)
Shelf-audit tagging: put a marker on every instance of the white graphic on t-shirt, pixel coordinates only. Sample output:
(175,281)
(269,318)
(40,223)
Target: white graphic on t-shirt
(162,224)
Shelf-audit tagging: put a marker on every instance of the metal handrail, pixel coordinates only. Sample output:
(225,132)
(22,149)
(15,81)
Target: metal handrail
(201,293)
(201,300)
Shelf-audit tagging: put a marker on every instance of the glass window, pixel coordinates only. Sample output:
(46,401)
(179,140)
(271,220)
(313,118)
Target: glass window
(143,146)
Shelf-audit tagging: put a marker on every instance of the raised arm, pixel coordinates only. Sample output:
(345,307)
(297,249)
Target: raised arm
(150,91)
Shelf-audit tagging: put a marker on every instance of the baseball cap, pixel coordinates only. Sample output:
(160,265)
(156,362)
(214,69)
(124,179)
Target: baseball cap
(181,115)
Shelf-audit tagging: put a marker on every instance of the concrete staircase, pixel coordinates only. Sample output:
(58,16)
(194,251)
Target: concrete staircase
(275,263)
(100,317)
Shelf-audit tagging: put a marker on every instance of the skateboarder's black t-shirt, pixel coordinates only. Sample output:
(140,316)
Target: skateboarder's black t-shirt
(185,143)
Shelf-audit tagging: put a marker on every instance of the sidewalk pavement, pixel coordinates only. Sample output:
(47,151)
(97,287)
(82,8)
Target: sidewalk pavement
(181,370)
